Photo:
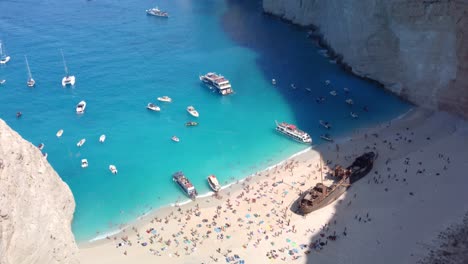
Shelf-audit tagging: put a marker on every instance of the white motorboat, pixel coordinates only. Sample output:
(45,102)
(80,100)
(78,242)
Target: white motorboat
(353,115)
(4,58)
(81,142)
(155,11)
(45,155)
(80,107)
(68,79)
(333,93)
(326,137)
(2,81)
(165,98)
(102,138)
(349,101)
(84,163)
(327,82)
(214,184)
(41,146)
(175,139)
(273,81)
(113,169)
(153,107)
(30,81)
(325,124)
(59,133)
(192,111)
(346,90)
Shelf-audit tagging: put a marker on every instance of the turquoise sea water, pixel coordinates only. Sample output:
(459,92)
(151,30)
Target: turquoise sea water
(123,59)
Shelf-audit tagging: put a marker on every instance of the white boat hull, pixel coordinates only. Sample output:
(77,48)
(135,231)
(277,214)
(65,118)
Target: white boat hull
(81,142)
(113,169)
(59,133)
(70,80)
(5,60)
(102,138)
(80,107)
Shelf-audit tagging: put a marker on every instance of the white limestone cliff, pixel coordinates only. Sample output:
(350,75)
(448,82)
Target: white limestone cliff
(417,49)
(36,206)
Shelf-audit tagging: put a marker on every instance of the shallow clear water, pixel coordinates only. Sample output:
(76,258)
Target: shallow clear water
(123,59)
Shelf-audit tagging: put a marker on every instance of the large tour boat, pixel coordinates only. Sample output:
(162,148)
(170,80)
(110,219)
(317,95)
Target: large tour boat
(185,184)
(218,82)
(293,132)
(320,195)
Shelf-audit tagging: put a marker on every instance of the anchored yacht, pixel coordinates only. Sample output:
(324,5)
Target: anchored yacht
(218,82)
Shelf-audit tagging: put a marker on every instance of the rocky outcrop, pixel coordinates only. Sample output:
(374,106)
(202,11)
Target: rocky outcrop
(36,206)
(417,49)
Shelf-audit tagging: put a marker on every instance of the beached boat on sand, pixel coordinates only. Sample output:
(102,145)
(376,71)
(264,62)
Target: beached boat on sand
(4,58)
(41,146)
(175,139)
(213,182)
(185,184)
(326,137)
(31,82)
(320,195)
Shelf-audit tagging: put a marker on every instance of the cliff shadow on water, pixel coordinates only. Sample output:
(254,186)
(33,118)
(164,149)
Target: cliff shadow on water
(302,67)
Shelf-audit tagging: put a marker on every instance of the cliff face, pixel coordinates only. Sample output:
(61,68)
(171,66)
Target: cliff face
(36,206)
(417,48)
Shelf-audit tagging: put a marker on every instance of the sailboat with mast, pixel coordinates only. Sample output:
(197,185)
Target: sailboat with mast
(4,58)
(30,81)
(68,79)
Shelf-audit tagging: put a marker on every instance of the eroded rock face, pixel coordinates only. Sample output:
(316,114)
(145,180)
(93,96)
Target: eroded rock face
(417,48)
(36,206)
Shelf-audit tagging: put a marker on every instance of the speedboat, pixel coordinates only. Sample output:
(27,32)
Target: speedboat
(273,81)
(346,90)
(30,81)
(333,93)
(214,184)
(191,123)
(326,137)
(165,99)
(327,82)
(192,111)
(81,142)
(175,139)
(2,81)
(80,107)
(84,163)
(156,12)
(3,57)
(325,124)
(102,138)
(349,101)
(113,169)
(353,115)
(68,79)
(59,133)
(153,107)
(40,146)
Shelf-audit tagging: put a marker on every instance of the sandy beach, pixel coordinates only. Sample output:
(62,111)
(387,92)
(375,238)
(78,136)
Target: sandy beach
(393,215)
